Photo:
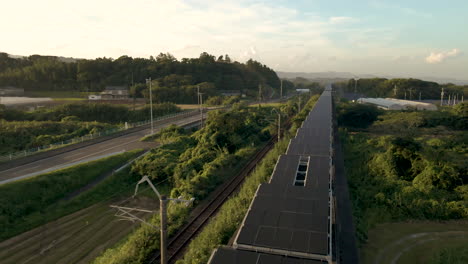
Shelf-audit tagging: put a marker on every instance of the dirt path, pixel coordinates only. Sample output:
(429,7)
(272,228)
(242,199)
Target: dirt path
(77,238)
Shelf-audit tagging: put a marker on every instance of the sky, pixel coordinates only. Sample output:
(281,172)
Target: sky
(410,38)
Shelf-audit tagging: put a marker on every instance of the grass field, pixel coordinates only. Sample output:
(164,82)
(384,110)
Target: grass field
(188,106)
(69,99)
(76,238)
(59,94)
(414,242)
(267,104)
(89,229)
(34,201)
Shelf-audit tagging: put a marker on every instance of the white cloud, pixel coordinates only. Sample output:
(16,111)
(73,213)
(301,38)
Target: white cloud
(184,28)
(251,52)
(389,7)
(438,57)
(282,36)
(340,19)
(403,58)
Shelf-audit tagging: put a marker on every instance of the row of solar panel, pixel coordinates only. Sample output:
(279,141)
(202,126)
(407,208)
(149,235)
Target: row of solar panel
(289,220)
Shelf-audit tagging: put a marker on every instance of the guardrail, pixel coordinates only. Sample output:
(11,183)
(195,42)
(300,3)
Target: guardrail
(32,151)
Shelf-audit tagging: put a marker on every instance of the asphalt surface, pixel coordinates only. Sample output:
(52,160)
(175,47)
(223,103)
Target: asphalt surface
(96,151)
(346,236)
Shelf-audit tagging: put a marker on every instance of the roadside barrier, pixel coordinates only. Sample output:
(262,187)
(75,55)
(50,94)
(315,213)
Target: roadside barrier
(126,126)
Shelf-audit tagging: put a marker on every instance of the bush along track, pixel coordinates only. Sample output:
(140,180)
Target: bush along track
(31,202)
(195,165)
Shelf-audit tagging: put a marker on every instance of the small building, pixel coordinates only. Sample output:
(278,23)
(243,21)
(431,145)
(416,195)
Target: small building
(11,91)
(114,93)
(230,92)
(94,97)
(302,90)
(396,104)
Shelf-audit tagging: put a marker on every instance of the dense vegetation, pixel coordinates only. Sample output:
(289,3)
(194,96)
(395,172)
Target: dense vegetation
(175,81)
(17,136)
(26,204)
(381,87)
(302,83)
(22,130)
(193,165)
(222,100)
(104,113)
(406,164)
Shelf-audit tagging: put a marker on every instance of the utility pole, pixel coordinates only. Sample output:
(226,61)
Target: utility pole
(134,95)
(411,93)
(442,97)
(299,104)
(405,94)
(355,86)
(279,122)
(125,213)
(199,105)
(151,104)
(281,89)
(260,97)
(448,103)
(200,95)
(163,212)
(87,91)
(395,91)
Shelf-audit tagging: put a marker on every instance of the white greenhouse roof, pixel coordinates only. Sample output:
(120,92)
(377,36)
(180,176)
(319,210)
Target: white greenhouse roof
(396,104)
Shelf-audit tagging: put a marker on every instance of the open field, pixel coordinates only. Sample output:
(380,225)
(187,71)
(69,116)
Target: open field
(413,242)
(59,94)
(68,99)
(75,238)
(275,104)
(188,106)
(32,202)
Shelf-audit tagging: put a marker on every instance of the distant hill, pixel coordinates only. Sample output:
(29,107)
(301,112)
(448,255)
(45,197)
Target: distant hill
(322,75)
(331,75)
(60,58)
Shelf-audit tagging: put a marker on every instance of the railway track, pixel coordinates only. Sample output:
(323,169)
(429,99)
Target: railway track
(177,244)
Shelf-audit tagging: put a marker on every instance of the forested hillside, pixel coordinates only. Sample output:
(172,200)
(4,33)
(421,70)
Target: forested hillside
(396,88)
(172,77)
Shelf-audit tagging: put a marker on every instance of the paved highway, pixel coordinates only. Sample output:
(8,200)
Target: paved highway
(96,151)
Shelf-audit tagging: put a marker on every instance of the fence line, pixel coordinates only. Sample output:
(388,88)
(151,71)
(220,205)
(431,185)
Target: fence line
(31,151)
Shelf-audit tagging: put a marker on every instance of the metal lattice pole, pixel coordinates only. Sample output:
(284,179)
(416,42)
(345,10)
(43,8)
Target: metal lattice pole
(125,214)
